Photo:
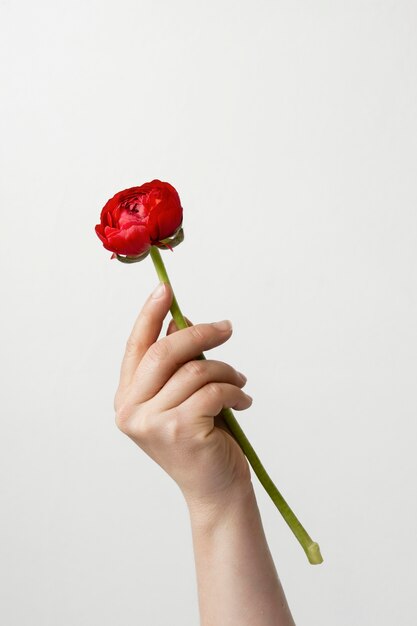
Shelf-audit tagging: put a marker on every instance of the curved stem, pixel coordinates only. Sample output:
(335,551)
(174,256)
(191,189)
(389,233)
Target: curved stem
(310,547)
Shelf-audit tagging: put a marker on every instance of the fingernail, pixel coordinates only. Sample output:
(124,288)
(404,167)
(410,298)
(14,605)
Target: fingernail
(223,325)
(243,377)
(159,291)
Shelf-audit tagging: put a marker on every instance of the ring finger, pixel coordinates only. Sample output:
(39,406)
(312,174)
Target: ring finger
(193,375)
(212,398)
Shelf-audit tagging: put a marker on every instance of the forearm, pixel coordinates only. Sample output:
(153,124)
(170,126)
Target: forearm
(238,584)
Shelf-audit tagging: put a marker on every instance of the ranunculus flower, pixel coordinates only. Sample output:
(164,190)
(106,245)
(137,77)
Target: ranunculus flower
(140,217)
(135,223)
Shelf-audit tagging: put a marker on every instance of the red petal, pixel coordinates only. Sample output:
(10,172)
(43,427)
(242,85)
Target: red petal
(130,241)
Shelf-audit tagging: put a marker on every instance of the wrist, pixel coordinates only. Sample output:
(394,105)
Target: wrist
(209,512)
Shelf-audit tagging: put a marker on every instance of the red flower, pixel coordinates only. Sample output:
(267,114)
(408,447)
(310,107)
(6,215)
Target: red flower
(137,218)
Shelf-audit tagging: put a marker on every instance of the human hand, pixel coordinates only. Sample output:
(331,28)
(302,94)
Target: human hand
(168,403)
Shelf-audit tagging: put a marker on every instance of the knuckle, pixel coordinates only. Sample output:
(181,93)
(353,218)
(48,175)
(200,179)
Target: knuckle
(174,427)
(194,368)
(196,332)
(213,390)
(132,421)
(141,430)
(131,346)
(159,351)
(122,416)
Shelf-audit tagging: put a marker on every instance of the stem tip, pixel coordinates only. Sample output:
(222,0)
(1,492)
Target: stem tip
(314,554)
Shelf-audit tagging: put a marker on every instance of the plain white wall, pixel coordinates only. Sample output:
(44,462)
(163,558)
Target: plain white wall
(289,130)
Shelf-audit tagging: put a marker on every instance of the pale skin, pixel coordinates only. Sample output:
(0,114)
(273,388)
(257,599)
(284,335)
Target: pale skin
(168,403)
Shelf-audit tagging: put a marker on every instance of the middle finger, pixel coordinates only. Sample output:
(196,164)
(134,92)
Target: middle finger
(165,356)
(190,377)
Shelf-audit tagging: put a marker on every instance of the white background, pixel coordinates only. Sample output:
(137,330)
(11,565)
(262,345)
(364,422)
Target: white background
(289,130)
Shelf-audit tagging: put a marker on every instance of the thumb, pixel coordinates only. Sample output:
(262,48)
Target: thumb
(172,327)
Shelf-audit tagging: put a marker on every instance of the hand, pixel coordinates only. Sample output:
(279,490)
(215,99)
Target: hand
(168,403)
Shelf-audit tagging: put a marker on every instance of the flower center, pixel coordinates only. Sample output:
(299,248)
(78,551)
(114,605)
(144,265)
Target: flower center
(132,209)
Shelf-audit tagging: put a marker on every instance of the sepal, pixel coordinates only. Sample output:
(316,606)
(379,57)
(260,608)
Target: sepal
(131,259)
(171,242)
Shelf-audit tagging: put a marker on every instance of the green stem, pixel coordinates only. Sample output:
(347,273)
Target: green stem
(310,547)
